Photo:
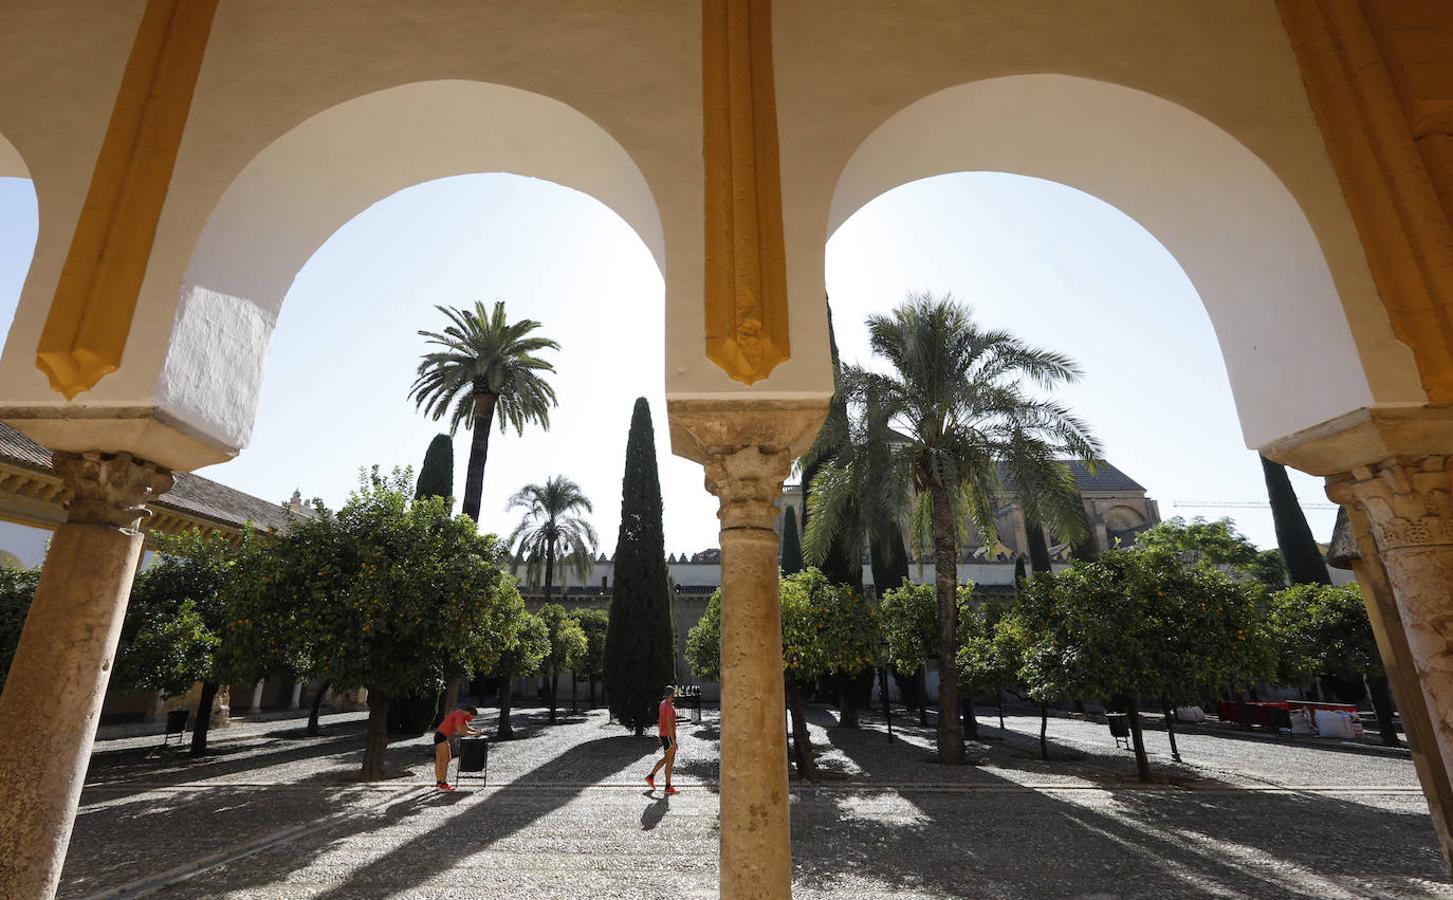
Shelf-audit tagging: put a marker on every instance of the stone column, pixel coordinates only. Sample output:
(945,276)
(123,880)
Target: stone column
(1354,547)
(1407,505)
(57,681)
(748,451)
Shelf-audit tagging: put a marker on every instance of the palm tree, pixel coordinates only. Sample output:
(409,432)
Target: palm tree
(486,367)
(552,532)
(931,436)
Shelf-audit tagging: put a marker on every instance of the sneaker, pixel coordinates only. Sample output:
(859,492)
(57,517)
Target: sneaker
(651,780)
(444,786)
(671,790)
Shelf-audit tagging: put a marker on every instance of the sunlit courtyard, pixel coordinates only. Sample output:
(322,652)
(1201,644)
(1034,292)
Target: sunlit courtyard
(564,812)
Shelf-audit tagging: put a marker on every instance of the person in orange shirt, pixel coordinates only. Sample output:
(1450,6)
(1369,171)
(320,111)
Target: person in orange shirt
(456,722)
(666,723)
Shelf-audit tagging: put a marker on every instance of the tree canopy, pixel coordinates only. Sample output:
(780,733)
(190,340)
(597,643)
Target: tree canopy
(17,590)
(640,656)
(388,595)
(485,368)
(553,533)
(1217,543)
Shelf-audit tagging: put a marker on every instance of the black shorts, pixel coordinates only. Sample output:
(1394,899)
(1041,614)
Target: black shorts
(666,742)
(439,738)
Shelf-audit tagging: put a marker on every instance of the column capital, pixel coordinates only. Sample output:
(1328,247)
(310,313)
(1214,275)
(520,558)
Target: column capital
(110,489)
(1409,500)
(747,448)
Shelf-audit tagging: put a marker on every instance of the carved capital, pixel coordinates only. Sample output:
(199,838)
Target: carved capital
(747,448)
(1409,502)
(110,489)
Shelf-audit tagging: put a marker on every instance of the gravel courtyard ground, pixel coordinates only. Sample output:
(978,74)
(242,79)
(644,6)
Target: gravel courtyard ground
(273,814)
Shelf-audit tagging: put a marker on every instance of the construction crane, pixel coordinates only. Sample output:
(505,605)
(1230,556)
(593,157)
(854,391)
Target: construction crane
(1240,504)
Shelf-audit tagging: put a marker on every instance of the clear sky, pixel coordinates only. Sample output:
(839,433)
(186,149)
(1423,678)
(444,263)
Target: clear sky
(1059,267)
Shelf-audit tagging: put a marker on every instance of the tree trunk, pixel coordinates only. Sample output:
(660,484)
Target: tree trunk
(478,452)
(592,693)
(945,576)
(376,743)
(1142,762)
(801,741)
(451,696)
(923,694)
(312,730)
(549,569)
(505,732)
(1170,727)
(1382,704)
(553,683)
(1043,727)
(204,718)
(573,680)
(847,708)
(971,724)
(1001,708)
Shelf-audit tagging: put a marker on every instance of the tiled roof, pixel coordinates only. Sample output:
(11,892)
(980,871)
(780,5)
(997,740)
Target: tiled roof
(1106,478)
(190,495)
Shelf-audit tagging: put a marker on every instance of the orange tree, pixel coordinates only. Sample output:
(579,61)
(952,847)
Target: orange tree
(171,637)
(390,595)
(1139,624)
(826,630)
(17,590)
(910,622)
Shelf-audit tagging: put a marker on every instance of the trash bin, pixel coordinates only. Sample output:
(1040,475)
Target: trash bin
(1119,728)
(474,758)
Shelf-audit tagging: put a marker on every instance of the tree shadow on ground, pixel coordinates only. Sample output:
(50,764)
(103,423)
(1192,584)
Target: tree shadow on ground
(992,837)
(477,821)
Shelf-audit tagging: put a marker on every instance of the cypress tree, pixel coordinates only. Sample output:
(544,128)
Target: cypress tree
(842,565)
(888,559)
(436,476)
(639,647)
(1293,535)
(1038,548)
(1086,549)
(791,544)
(1019,573)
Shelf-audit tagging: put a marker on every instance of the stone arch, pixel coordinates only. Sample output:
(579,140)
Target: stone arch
(1230,222)
(1123,518)
(310,181)
(12,166)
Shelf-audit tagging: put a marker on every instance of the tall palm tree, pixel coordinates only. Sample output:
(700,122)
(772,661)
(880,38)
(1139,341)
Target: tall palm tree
(552,532)
(931,435)
(486,366)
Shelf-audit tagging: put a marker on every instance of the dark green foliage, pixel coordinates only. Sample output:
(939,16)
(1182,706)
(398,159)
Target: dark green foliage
(17,589)
(179,609)
(889,559)
(595,623)
(393,596)
(436,477)
(1217,543)
(1085,548)
(640,648)
(1303,558)
(1038,549)
(1019,571)
(791,544)
(841,560)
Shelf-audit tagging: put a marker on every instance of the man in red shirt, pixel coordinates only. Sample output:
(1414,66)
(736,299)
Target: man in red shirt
(666,724)
(456,722)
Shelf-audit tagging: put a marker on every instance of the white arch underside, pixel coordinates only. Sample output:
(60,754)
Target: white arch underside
(1235,229)
(311,181)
